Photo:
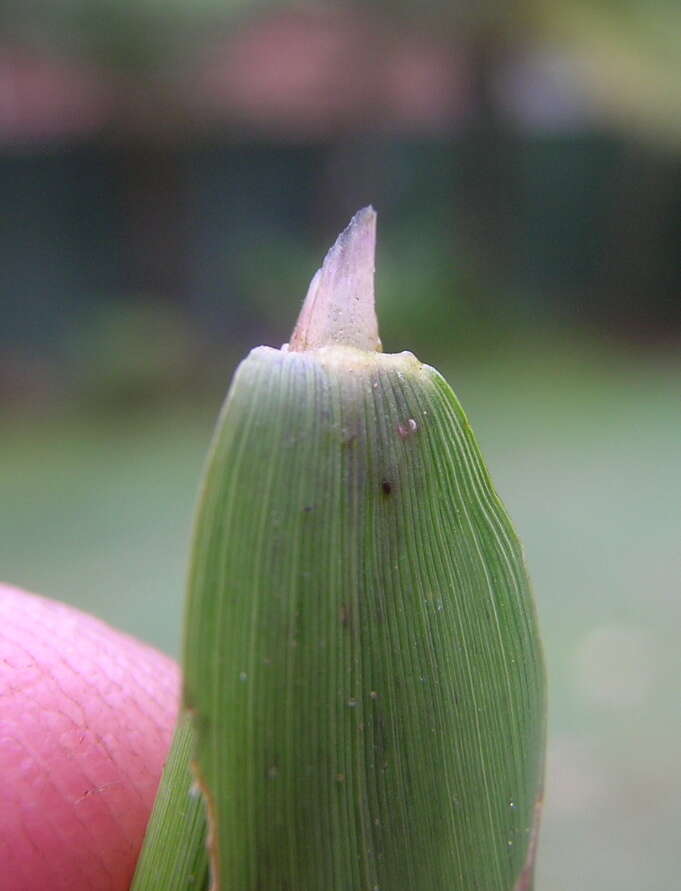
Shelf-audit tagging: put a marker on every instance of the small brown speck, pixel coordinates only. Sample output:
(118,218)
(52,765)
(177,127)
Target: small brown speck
(407,429)
(345,614)
(387,487)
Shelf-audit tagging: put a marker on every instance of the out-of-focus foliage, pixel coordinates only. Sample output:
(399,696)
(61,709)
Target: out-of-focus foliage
(128,35)
(629,55)
(627,51)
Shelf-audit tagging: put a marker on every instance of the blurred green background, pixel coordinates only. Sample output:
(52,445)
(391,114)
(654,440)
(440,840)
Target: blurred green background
(170,179)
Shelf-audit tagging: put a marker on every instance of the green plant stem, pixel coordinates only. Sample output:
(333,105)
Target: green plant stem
(174,856)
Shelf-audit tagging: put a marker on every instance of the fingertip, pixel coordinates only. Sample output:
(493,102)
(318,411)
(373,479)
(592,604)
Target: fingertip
(88,714)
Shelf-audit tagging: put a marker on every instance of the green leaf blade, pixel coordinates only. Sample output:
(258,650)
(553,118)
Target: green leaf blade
(362,665)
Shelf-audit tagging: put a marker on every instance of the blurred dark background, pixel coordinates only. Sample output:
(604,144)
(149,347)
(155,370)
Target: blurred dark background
(170,178)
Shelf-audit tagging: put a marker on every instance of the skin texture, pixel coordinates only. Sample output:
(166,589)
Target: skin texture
(86,717)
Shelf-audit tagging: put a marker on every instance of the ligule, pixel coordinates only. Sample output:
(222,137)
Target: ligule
(362,666)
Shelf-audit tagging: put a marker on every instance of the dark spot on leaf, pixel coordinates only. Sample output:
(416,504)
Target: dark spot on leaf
(345,614)
(387,487)
(407,429)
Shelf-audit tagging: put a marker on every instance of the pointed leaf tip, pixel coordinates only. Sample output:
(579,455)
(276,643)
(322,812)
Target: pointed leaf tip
(339,307)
